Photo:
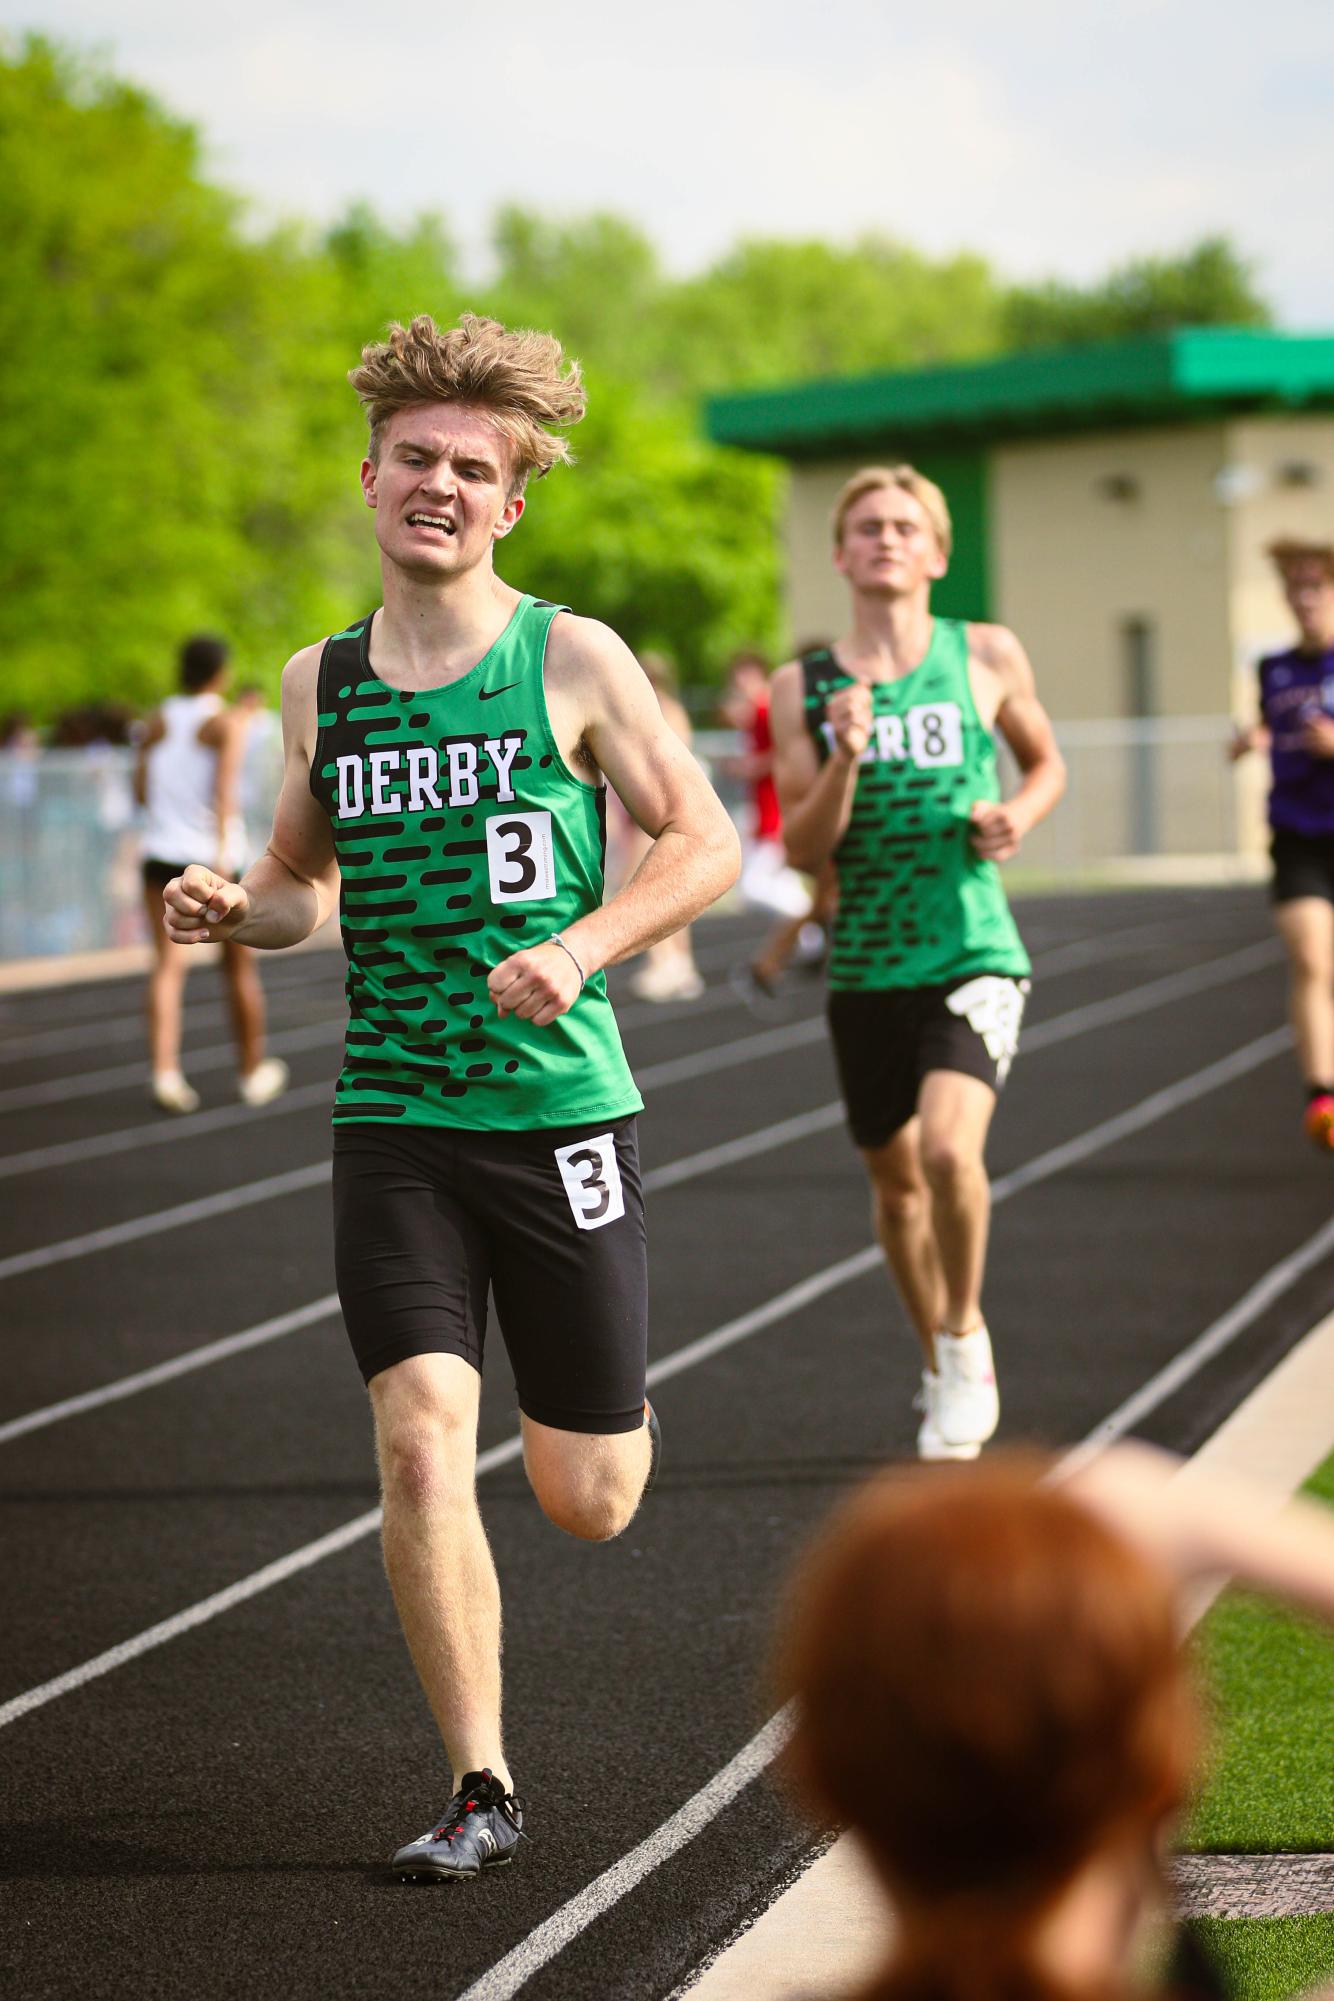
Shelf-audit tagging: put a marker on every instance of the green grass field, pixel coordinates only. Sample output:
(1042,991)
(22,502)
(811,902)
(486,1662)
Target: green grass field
(1270,1679)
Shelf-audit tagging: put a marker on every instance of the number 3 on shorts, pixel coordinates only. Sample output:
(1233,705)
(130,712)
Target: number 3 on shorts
(592,1178)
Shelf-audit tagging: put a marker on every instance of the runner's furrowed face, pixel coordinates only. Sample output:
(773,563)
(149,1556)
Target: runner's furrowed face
(889,548)
(440,490)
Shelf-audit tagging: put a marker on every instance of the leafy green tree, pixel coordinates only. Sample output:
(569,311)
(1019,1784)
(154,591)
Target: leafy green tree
(775,312)
(177,410)
(666,538)
(593,281)
(1208,285)
(169,465)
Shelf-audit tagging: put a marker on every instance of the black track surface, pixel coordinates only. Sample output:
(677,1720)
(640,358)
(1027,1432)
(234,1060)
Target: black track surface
(211,1817)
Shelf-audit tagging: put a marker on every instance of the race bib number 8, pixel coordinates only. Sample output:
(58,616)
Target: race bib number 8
(519,857)
(935,734)
(592,1178)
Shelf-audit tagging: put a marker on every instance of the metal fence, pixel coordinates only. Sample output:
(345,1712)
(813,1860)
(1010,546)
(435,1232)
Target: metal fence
(69,850)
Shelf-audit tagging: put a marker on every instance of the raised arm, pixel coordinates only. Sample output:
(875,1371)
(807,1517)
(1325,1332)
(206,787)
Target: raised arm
(293,886)
(1026,727)
(607,719)
(1207,1529)
(816,799)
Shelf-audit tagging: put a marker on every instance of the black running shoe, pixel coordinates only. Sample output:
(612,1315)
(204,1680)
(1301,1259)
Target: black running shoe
(654,1443)
(481,1828)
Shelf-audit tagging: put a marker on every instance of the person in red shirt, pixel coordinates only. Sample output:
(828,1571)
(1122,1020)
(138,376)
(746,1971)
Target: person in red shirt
(767,879)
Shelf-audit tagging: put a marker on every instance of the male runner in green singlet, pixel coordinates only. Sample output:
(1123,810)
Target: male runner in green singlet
(446,758)
(883,757)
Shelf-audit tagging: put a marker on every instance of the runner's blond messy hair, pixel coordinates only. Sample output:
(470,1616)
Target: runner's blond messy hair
(515,377)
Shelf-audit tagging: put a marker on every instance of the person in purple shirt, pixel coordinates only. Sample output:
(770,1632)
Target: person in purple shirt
(1297,726)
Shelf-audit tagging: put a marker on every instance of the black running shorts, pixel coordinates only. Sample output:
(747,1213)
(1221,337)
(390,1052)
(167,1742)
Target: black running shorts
(1303,866)
(157,874)
(427,1218)
(885,1042)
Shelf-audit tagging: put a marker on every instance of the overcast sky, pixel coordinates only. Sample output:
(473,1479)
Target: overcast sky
(1055,136)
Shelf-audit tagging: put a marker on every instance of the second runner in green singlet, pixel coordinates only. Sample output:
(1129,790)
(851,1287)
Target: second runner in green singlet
(884,761)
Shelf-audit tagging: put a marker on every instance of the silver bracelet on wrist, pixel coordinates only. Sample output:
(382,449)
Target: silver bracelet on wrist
(556,939)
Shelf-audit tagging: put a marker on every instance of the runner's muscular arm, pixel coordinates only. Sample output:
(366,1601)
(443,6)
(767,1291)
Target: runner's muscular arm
(606,718)
(816,799)
(1006,687)
(293,886)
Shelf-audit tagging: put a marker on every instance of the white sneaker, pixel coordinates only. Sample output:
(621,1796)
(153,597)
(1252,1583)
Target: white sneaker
(171,1091)
(967,1406)
(267,1081)
(666,983)
(930,1442)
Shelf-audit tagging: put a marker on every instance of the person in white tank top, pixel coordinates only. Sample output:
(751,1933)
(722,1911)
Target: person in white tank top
(186,780)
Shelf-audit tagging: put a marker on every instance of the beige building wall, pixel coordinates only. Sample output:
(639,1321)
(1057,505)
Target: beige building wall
(1090,533)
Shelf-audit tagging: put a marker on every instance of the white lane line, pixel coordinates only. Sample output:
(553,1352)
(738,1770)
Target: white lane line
(1278,1280)
(670,1175)
(726,1055)
(512,1972)
(746,1050)
(94,1033)
(726,1336)
(1074,957)
(314,1035)
(165,1372)
(509,1974)
(226,1600)
(175,1218)
(94,1083)
(161,1131)
(1173,986)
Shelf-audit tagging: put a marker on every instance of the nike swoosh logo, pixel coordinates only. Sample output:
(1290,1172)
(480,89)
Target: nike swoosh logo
(489,694)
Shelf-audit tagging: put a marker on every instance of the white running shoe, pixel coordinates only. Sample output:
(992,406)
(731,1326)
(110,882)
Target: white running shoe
(930,1443)
(967,1406)
(670,982)
(171,1091)
(267,1081)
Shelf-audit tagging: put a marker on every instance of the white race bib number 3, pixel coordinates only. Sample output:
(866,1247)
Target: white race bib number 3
(519,857)
(592,1178)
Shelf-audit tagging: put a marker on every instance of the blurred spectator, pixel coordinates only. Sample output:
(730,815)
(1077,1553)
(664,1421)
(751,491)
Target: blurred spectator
(187,778)
(22,747)
(768,882)
(989,1691)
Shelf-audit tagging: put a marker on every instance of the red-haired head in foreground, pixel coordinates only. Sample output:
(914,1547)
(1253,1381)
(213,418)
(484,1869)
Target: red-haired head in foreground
(989,1691)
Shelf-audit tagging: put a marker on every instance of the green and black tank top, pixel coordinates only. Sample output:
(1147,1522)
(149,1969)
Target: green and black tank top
(916,906)
(462,836)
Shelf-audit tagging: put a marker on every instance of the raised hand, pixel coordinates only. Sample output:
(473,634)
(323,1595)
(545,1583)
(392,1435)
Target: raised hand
(850,717)
(996,831)
(201,905)
(537,984)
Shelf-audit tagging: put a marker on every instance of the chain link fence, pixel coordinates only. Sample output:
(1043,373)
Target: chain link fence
(1140,792)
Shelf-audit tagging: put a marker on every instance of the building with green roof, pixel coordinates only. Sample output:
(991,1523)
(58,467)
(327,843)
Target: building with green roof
(1112,504)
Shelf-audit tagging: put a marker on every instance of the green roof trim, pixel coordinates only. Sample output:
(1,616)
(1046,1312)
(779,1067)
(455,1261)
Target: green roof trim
(1160,379)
